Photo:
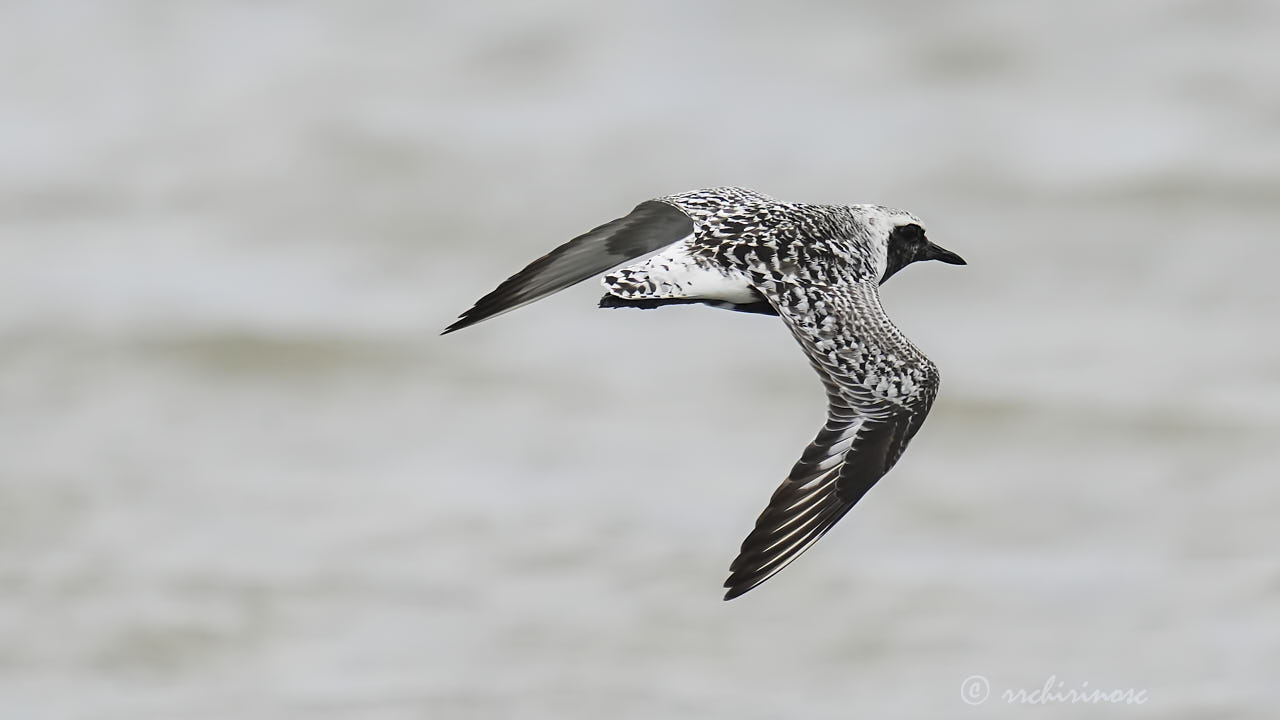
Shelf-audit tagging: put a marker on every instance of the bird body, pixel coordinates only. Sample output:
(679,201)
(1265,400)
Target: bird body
(819,268)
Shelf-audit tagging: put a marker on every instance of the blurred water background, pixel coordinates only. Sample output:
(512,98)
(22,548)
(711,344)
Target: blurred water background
(242,477)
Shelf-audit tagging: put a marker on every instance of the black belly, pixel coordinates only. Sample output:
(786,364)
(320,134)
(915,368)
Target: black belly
(613,301)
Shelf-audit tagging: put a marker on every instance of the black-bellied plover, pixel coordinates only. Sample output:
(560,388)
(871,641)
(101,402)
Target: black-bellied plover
(819,268)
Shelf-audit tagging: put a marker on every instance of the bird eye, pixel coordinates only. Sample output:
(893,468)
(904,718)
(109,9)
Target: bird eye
(909,235)
(909,231)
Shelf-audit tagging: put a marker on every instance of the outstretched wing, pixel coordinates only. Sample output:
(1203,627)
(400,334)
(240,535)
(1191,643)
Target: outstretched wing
(879,389)
(651,226)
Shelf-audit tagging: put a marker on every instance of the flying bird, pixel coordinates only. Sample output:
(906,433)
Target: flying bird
(819,268)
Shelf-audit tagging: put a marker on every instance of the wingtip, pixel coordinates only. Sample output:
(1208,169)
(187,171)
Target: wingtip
(735,587)
(465,320)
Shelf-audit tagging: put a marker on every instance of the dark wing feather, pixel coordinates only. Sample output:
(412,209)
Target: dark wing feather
(651,226)
(866,431)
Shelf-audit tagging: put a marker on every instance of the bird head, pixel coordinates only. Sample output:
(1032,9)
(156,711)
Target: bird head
(901,237)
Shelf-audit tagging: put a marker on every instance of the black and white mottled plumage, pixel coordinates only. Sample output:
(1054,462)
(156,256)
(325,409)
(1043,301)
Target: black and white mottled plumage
(819,268)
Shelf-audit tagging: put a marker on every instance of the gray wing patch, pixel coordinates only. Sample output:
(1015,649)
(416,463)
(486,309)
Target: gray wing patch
(651,226)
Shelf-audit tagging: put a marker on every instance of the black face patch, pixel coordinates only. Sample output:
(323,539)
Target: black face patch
(905,243)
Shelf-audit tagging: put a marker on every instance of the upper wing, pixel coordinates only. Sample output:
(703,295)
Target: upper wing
(879,389)
(651,226)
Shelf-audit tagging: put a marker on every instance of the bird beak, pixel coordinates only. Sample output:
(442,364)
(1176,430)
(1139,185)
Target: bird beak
(933,252)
